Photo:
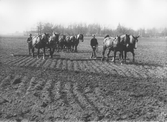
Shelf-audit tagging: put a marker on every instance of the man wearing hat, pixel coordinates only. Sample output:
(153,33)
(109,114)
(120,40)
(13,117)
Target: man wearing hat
(29,41)
(94,45)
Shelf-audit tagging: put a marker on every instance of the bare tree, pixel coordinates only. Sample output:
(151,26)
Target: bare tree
(39,28)
(90,29)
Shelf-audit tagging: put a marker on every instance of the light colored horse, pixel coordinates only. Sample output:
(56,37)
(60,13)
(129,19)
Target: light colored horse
(78,38)
(39,42)
(53,43)
(111,43)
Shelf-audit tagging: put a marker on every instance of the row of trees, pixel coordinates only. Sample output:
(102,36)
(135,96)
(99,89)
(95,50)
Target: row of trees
(90,29)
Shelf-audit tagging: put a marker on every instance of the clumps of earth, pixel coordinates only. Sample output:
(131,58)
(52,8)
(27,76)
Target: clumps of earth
(55,95)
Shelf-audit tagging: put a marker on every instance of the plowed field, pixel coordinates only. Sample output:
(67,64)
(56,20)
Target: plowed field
(72,87)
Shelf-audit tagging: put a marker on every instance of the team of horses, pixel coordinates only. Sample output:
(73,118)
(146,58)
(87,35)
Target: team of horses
(54,42)
(70,43)
(123,44)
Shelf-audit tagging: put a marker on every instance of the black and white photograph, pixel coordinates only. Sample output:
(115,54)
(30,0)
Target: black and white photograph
(83,60)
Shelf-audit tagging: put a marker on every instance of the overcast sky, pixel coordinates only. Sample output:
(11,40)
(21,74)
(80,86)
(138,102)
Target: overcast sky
(21,15)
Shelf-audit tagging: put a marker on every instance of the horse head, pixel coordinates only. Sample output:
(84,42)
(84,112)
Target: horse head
(72,38)
(45,38)
(54,37)
(57,36)
(134,41)
(80,37)
(116,40)
(54,33)
(62,38)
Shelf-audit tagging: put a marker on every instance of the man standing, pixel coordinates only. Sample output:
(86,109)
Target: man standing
(94,45)
(29,41)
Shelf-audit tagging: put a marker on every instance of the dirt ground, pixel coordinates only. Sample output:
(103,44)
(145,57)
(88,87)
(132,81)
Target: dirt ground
(61,90)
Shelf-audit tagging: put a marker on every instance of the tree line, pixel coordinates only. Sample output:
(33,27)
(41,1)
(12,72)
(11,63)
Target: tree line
(89,29)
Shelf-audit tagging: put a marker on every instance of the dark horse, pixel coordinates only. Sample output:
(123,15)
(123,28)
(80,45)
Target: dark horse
(39,42)
(111,43)
(75,41)
(72,43)
(130,43)
(53,43)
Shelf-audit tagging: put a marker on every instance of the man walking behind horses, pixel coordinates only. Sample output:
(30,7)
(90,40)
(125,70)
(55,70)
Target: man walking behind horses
(29,41)
(94,45)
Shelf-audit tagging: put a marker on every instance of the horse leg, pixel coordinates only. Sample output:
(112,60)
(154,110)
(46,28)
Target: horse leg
(108,54)
(58,48)
(69,48)
(50,50)
(53,52)
(38,53)
(33,52)
(72,48)
(133,56)
(76,45)
(62,47)
(125,55)
(103,53)
(121,56)
(115,52)
(44,53)
(76,48)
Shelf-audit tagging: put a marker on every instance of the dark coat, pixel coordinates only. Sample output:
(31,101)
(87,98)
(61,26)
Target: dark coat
(93,42)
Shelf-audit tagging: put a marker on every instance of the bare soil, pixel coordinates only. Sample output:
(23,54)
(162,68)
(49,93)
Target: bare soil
(71,87)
